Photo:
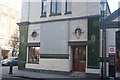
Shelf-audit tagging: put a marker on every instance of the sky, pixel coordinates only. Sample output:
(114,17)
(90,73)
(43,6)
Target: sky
(113,4)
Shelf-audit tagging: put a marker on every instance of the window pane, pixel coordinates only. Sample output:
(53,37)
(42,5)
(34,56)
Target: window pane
(3,19)
(53,6)
(33,54)
(1,41)
(68,6)
(44,5)
(2,30)
(4,9)
(58,6)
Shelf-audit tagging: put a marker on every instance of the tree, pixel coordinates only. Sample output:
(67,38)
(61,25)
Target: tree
(14,43)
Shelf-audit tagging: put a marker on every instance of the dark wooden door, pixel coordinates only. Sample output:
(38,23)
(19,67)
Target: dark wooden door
(79,58)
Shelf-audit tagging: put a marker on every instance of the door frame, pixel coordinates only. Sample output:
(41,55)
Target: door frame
(72,49)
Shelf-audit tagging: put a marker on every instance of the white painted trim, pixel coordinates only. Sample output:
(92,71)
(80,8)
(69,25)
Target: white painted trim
(95,71)
(70,58)
(27,55)
(86,58)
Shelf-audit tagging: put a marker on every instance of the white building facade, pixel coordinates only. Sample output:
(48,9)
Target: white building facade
(60,35)
(112,24)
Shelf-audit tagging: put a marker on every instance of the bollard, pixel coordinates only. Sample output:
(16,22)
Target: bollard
(11,68)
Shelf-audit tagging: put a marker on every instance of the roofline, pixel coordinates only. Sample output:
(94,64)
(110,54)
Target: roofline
(108,8)
(113,16)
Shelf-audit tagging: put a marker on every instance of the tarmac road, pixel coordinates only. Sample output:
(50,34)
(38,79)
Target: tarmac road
(15,78)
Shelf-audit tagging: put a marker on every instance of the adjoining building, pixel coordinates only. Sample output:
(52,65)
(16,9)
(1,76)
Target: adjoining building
(8,27)
(60,35)
(112,24)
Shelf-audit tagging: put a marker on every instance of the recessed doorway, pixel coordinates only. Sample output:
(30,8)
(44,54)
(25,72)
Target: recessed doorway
(79,58)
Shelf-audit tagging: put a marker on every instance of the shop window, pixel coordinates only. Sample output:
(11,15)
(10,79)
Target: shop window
(33,54)
(55,7)
(68,7)
(44,10)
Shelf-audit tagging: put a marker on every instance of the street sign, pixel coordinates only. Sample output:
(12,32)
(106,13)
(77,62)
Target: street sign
(112,56)
(112,49)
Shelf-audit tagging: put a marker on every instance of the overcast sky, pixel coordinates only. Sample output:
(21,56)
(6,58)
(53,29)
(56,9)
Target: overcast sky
(112,3)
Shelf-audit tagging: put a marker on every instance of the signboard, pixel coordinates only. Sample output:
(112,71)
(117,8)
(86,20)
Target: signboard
(112,49)
(112,56)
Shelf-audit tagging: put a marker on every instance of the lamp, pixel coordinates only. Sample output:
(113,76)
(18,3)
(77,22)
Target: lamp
(103,5)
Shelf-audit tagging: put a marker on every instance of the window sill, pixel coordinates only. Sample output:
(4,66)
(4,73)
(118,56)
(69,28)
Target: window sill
(55,14)
(42,16)
(68,13)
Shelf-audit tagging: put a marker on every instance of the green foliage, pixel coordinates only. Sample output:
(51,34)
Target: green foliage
(93,45)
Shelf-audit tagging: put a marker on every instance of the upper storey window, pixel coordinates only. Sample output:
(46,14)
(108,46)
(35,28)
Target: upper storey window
(68,7)
(55,7)
(44,10)
(3,19)
(4,9)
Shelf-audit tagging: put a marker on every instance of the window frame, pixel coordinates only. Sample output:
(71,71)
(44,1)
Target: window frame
(28,58)
(56,8)
(42,9)
(66,7)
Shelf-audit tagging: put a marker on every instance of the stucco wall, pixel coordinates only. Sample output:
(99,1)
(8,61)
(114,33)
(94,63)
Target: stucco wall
(54,38)
(93,8)
(110,41)
(34,12)
(51,64)
(25,11)
(83,25)
(78,9)
(31,29)
(110,38)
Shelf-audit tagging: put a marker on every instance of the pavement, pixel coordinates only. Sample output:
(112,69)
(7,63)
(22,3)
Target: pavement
(38,75)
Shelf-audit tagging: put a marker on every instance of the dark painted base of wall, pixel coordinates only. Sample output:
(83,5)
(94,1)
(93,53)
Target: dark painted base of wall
(21,66)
